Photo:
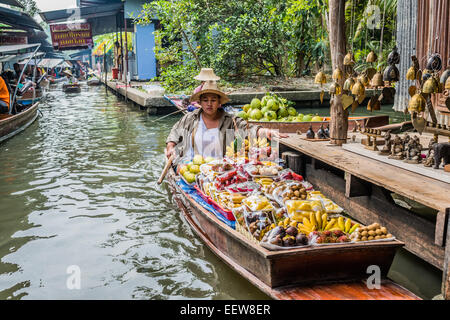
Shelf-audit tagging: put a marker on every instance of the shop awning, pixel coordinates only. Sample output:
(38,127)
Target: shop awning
(18,19)
(50,63)
(14,3)
(18,57)
(17,49)
(103,18)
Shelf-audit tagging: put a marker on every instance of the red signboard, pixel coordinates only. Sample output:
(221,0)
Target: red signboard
(71,36)
(8,39)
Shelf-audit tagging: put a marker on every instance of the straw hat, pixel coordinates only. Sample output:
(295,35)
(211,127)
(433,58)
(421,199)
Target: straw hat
(207,74)
(67,71)
(210,87)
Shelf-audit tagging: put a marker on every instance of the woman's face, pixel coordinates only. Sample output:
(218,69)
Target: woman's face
(210,102)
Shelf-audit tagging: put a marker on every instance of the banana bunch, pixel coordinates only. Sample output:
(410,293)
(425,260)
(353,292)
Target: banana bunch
(264,181)
(318,222)
(345,225)
(258,142)
(315,222)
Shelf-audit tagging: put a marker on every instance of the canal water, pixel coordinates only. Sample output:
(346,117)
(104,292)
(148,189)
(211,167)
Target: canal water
(82,217)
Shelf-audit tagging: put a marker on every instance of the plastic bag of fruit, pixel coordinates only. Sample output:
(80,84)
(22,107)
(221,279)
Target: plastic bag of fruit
(299,209)
(281,238)
(329,205)
(258,223)
(258,202)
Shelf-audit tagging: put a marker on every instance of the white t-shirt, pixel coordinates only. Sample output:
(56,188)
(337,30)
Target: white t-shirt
(207,141)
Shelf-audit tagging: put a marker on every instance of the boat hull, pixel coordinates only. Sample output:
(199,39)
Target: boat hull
(11,125)
(305,266)
(70,88)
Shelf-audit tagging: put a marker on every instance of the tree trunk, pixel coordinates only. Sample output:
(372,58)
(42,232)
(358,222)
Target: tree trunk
(339,116)
(300,63)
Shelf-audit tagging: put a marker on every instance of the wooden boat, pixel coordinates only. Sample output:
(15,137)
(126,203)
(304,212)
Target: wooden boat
(10,125)
(93,82)
(28,99)
(334,271)
(71,88)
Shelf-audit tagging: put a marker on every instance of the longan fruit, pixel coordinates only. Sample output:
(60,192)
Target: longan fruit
(364,239)
(377,238)
(372,233)
(389,235)
(364,233)
(379,232)
(370,238)
(376,225)
(384,230)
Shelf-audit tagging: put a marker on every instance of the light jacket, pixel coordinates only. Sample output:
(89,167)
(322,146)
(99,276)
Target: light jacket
(182,130)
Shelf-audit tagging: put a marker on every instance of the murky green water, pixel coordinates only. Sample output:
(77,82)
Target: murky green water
(78,188)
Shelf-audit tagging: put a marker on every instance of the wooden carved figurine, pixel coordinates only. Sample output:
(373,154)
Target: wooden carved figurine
(397,149)
(327,131)
(441,153)
(414,151)
(310,133)
(387,143)
(429,161)
(406,140)
(321,133)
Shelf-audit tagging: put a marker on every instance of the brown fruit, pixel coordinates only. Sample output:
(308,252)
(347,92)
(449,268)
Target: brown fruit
(379,232)
(372,233)
(370,238)
(364,233)
(389,235)
(377,238)
(384,230)
(364,239)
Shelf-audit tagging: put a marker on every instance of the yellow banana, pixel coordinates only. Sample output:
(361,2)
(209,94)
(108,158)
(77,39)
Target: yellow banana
(312,219)
(324,221)
(307,223)
(330,224)
(348,225)
(341,223)
(318,220)
(352,229)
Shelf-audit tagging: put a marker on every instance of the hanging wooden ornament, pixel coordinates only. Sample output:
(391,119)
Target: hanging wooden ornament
(349,60)
(346,101)
(348,84)
(412,90)
(371,57)
(411,74)
(337,74)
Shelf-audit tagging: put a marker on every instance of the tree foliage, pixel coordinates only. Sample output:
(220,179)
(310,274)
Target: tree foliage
(245,38)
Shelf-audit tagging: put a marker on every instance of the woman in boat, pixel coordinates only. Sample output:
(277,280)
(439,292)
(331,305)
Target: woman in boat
(204,131)
(70,79)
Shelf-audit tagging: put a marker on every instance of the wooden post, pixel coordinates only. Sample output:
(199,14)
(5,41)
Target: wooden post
(294,161)
(446,273)
(339,116)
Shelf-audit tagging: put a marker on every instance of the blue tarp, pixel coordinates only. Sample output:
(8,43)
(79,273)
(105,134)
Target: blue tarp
(194,194)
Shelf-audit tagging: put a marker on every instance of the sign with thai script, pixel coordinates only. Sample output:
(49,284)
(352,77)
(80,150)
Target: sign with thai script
(71,36)
(10,39)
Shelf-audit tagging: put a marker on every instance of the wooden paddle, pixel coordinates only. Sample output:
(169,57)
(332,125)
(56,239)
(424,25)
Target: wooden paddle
(166,168)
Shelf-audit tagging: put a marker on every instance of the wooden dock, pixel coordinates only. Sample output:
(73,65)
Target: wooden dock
(363,187)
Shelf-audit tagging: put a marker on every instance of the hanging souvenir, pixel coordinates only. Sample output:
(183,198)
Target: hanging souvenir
(394,56)
(349,60)
(371,57)
(417,103)
(434,62)
(411,74)
(337,74)
(391,74)
(377,80)
(358,89)
(348,84)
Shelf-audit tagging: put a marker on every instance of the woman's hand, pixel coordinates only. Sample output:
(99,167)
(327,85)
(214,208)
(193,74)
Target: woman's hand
(170,149)
(268,133)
